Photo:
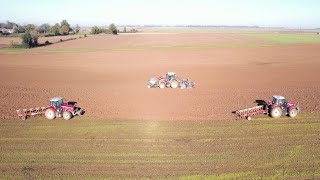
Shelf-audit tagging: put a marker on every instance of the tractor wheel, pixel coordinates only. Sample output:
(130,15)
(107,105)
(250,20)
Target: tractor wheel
(174,84)
(67,115)
(50,114)
(276,112)
(162,85)
(293,113)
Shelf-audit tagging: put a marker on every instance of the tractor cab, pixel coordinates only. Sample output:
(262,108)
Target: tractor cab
(279,100)
(170,76)
(56,102)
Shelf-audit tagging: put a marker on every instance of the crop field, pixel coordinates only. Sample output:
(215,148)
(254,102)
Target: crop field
(98,148)
(130,131)
(277,39)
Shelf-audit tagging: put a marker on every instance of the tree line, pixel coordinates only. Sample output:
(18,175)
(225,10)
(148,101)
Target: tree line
(111,29)
(31,33)
(62,28)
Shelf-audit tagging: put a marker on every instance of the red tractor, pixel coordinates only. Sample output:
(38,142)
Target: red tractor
(278,105)
(58,108)
(169,80)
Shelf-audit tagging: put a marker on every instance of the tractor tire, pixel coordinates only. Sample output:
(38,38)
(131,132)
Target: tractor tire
(174,84)
(293,113)
(162,85)
(50,114)
(276,112)
(67,115)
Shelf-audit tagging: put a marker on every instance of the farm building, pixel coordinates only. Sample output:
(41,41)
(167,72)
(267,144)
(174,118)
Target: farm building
(6,31)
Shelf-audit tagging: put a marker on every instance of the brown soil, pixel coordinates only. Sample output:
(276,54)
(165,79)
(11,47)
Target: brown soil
(112,84)
(7,41)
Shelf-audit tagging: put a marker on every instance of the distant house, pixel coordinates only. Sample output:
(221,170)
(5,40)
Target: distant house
(6,31)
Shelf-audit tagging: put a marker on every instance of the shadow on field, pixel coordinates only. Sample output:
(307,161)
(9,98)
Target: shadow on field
(72,103)
(48,43)
(261,102)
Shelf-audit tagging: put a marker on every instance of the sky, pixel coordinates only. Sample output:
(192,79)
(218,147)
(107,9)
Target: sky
(264,13)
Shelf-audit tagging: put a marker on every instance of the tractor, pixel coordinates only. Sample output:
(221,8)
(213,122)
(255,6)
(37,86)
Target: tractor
(278,105)
(169,80)
(59,109)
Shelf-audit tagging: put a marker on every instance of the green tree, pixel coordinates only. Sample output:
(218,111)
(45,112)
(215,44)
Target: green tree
(29,27)
(27,40)
(95,30)
(35,36)
(9,25)
(55,29)
(113,28)
(65,23)
(77,29)
(44,28)
(18,29)
(30,39)
(133,31)
(64,30)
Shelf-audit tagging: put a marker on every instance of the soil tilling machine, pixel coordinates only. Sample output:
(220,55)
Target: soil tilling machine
(170,80)
(276,107)
(56,109)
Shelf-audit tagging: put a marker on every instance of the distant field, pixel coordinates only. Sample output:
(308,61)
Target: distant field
(97,148)
(289,38)
(178,39)
(222,30)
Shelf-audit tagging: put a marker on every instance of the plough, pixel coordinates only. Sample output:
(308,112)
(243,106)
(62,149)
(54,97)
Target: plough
(32,112)
(249,112)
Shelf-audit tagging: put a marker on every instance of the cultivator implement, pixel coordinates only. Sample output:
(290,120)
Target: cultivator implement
(32,112)
(249,112)
(186,84)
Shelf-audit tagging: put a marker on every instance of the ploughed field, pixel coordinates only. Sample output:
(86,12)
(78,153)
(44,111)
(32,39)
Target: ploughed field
(107,75)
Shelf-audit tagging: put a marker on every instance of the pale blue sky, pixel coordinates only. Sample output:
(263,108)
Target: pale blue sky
(267,13)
